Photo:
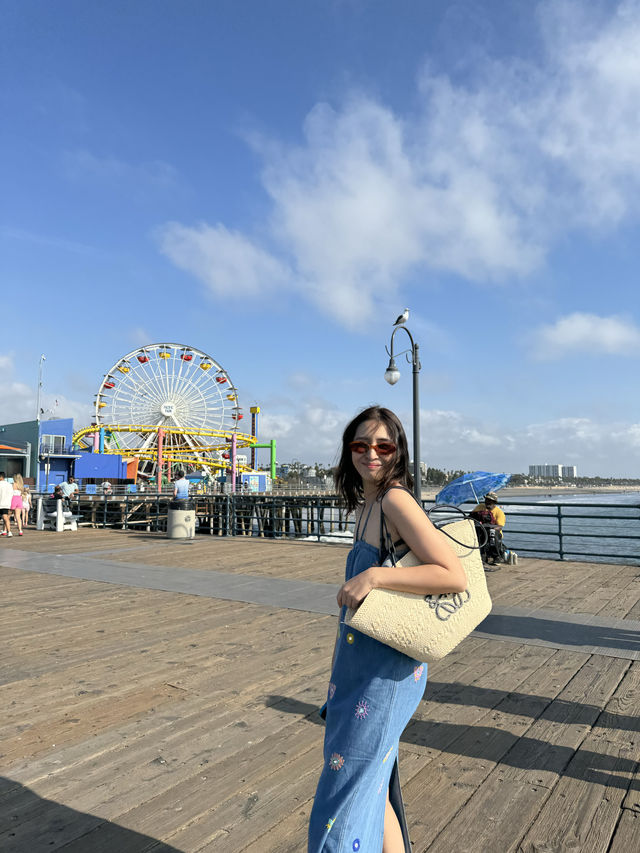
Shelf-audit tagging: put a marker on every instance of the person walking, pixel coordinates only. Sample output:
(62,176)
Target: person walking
(16,501)
(6,497)
(374,689)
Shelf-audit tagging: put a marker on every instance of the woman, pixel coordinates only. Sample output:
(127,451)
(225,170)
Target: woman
(16,501)
(374,690)
(26,506)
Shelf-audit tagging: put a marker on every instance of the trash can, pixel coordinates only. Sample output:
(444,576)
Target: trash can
(181,520)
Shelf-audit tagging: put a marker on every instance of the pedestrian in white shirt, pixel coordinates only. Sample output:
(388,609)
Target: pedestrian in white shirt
(6,496)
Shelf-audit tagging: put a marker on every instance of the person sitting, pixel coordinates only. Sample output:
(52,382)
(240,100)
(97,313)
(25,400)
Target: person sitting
(50,507)
(490,516)
(181,487)
(69,488)
(52,502)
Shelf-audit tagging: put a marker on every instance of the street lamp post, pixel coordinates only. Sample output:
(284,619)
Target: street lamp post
(392,374)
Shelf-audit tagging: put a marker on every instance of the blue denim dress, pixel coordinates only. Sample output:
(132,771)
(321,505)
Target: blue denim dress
(373,693)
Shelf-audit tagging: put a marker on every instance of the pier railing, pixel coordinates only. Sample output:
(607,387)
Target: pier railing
(575,531)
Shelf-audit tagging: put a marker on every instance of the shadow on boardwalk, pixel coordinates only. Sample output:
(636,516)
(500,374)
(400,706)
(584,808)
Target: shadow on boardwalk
(508,748)
(32,823)
(565,632)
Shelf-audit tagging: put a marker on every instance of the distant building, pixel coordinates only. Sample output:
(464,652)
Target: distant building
(554,472)
(39,450)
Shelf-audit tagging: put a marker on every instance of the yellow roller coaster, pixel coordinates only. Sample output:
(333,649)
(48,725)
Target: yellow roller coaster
(201,454)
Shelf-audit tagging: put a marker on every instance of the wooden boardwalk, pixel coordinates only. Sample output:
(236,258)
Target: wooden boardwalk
(142,720)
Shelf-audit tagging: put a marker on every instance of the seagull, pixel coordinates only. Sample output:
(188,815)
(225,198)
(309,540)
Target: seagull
(402,318)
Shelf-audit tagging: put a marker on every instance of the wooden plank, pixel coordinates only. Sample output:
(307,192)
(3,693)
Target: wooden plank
(523,780)
(100,713)
(210,798)
(627,834)
(265,673)
(151,770)
(584,807)
(467,748)
(197,706)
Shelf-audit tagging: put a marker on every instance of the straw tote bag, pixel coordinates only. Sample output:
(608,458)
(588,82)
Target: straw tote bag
(427,627)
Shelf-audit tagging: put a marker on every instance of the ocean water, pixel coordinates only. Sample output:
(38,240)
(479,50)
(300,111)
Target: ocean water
(595,527)
(602,527)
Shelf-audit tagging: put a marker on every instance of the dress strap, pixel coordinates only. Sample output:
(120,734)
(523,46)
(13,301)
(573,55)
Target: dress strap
(387,545)
(358,535)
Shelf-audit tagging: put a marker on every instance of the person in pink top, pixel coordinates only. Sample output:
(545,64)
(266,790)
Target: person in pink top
(6,495)
(16,500)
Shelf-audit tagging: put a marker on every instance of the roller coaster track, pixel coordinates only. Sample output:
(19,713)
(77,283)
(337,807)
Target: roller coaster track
(242,439)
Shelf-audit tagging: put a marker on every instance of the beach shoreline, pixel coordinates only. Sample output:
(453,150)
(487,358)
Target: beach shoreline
(552,491)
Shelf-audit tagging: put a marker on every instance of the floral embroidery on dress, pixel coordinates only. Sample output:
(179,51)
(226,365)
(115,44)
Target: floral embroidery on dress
(332,690)
(387,755)
(362,710)
(356,845)
(417,672)
(330,822)
(336,762)
(350,639)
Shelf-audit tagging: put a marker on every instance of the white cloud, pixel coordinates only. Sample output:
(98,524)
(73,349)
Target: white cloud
(481,181)
(587,333)
(310,430)
(18,400)
(227,261)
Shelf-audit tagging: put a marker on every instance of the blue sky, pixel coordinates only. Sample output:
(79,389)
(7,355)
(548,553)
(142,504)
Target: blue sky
(274,182)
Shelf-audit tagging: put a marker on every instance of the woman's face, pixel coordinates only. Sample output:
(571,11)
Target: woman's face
(369,464)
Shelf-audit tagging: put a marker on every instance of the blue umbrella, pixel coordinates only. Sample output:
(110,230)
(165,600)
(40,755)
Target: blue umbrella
(471,487)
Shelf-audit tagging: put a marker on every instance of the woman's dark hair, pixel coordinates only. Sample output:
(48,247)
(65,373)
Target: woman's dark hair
(396,470)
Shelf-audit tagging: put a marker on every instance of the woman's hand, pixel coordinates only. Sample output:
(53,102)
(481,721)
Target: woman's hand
(354,591)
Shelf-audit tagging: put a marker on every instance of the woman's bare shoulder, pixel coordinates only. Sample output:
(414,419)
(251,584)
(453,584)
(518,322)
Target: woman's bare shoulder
(397,497)
(399,503)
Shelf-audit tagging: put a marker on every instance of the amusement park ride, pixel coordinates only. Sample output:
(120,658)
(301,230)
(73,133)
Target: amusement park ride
(171,405)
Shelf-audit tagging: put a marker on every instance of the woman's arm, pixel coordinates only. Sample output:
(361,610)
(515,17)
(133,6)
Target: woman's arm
(441,571)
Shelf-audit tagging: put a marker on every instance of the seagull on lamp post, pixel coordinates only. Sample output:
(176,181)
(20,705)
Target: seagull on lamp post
(402,318)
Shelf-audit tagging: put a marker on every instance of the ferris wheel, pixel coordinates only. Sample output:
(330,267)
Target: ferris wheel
(177,389)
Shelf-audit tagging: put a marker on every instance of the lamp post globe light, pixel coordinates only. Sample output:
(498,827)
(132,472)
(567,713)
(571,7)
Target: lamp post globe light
(391,375)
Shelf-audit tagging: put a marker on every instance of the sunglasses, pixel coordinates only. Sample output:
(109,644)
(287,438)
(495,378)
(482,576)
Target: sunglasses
(384,448)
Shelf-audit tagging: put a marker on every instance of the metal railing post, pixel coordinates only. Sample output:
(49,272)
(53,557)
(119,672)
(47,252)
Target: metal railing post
(560,542)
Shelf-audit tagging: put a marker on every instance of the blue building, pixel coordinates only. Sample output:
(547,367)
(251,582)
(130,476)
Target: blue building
(44,450)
